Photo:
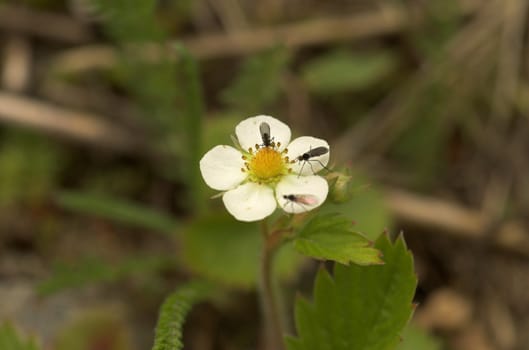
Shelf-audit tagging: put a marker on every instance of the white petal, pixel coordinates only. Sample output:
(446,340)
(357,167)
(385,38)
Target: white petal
(310,192)
(250,202)
(221,168)
(249,135)
(302,145)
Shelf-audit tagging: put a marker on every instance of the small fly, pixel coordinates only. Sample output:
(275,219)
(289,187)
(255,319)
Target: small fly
(301,200)
(312,153)
(264,129)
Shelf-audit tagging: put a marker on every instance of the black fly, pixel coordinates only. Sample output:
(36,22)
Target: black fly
(313,152)
(264,129)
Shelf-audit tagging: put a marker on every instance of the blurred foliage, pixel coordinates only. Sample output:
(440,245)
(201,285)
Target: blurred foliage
(330,237)
(258,82)
(152,82)
(11,340)
(115,180)
(440,24)
(174,113)
(96,329)
(217,130)
(228,252)
(342,71)
(154,87)
(414,338)
(93,269)
(380,314)
(420,145)
(131,21)
(29,168)
(118,210)
(174,15)
(173,312)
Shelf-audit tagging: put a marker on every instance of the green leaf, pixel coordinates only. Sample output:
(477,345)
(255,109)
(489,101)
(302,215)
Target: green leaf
(118,210)
(92,270)
(258,83)
(11,340)
(360,308)
(173,313)
(331,237)
(192,104)
(227,251)
(29,167)
(414,338)
(341,71)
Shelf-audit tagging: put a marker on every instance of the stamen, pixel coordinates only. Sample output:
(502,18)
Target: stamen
(256,146)
(250,150)
(267,165)
(279,144)
(243,157)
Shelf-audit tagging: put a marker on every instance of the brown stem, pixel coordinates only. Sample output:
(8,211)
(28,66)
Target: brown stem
(273,336)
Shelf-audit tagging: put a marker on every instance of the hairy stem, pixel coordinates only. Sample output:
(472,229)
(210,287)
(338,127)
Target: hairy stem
(273,336)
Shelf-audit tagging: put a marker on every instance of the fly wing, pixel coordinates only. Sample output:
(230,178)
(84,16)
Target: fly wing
(318,151)
(264,129)
(307,199)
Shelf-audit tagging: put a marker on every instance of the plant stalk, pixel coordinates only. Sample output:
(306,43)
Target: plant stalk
(273,335)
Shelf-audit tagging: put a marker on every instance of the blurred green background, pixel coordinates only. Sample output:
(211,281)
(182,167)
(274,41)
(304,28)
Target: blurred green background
(106,108)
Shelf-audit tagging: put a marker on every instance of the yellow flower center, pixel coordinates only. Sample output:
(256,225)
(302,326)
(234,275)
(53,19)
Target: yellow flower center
(266,164)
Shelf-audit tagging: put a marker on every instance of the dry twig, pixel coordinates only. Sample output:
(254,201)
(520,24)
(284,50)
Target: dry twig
(509,61)
(44,25)
(16,72)
(456,220)
(313,32)
(79,126)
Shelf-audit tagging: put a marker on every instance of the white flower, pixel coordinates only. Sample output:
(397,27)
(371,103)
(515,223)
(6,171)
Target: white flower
(258,177)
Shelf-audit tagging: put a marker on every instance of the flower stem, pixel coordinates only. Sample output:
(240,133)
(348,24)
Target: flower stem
(273,336)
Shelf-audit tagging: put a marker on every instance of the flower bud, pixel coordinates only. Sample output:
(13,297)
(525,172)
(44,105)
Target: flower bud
(339,183)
